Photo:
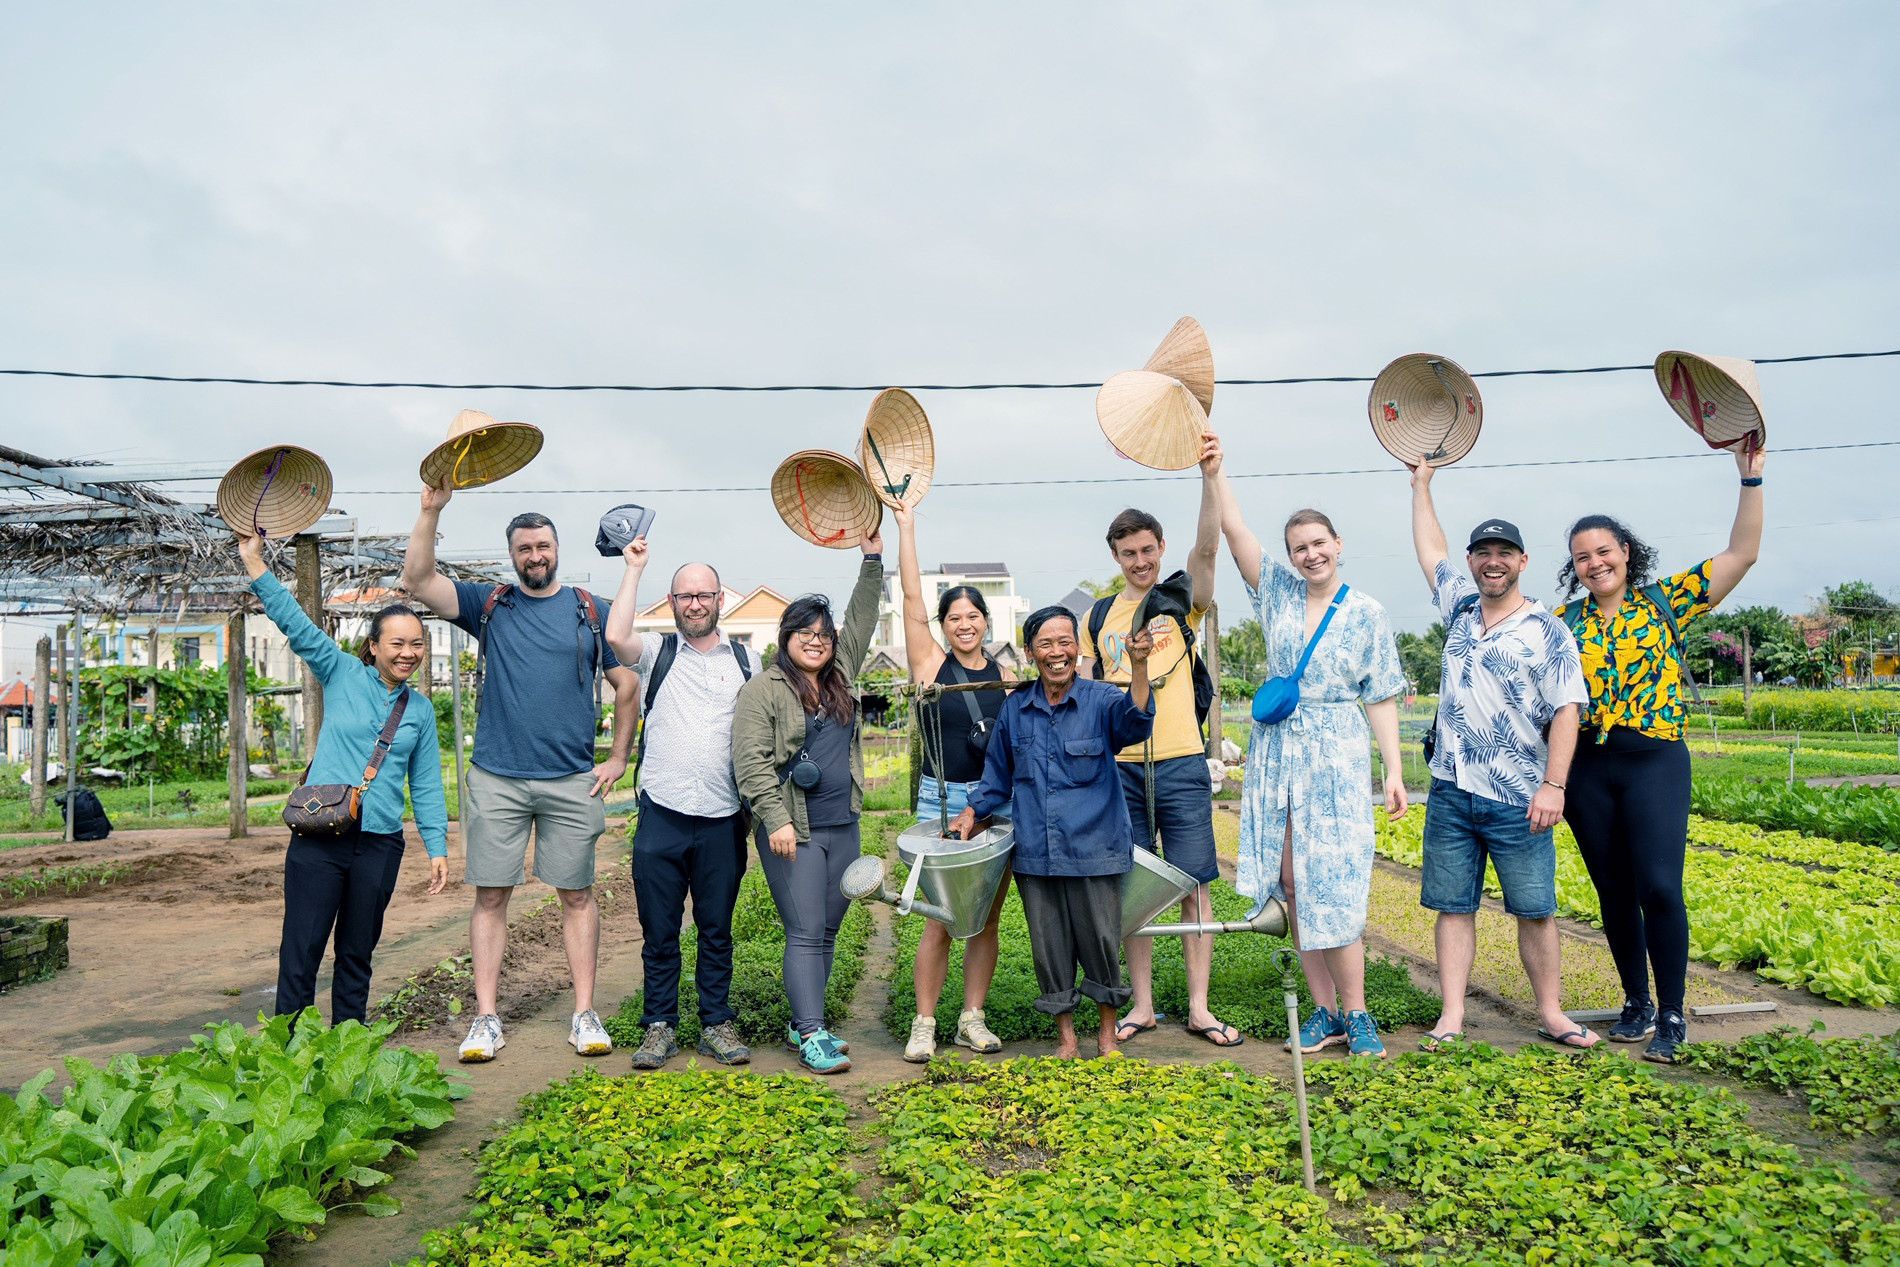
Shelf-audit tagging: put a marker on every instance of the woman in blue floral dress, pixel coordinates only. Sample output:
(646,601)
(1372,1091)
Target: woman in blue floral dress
(1306,805)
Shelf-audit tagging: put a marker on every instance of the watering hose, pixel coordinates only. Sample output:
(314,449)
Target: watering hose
(1289,964)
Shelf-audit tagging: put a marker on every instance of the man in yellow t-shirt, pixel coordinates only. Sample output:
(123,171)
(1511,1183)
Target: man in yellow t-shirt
(1183,791)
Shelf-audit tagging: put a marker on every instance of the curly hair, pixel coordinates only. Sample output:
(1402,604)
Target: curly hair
(1642,556)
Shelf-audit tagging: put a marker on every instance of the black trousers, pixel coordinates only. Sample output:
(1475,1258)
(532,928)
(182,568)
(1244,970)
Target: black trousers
(342,884)
(674,855)
(1628,805)
(1074,921)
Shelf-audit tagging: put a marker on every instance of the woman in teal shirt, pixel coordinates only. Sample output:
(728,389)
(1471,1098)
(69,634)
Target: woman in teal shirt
(343,884)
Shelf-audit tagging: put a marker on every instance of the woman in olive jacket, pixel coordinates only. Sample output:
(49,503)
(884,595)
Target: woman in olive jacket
(800,768)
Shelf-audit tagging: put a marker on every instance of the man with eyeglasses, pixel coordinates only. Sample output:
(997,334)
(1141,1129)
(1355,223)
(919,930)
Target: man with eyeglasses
(691,837)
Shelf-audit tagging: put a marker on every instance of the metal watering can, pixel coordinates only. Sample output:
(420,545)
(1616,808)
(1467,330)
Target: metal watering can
(959,880)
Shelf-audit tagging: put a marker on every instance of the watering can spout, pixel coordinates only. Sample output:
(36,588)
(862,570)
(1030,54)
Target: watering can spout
(864,880)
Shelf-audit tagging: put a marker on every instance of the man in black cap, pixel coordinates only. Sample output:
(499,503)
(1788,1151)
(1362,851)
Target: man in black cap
(1508,700)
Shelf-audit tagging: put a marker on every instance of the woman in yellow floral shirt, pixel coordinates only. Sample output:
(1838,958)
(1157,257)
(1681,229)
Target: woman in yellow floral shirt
(1628,795)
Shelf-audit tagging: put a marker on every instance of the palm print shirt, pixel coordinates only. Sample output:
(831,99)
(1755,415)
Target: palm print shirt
(1499,691)
(1634,675)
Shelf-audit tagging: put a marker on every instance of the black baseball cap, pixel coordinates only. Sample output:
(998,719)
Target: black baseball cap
(1496,530)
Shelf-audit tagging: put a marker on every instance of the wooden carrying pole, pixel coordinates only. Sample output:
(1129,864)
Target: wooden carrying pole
(310,598)
(234,728)
(42,697)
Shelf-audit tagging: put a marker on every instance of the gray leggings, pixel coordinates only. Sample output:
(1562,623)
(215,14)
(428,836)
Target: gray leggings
(810,905)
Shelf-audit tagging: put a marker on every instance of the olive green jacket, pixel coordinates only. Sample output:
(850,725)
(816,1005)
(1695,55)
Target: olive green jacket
(768,722)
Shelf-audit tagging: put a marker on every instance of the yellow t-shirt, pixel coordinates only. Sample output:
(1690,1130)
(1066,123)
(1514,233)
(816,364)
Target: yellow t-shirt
(1177,732)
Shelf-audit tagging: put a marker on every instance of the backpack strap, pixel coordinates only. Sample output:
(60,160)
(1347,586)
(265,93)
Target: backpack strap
(1098,616)
(500,593)
(1654,593)
(590,617)
(744,658)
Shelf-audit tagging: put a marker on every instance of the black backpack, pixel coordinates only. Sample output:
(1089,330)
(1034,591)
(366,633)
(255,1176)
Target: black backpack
(669,651)
(89,816)
(1203,680)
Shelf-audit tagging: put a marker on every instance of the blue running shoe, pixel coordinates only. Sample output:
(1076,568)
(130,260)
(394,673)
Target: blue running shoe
(1321,1030)
(795,1044)
(819,1053)
(1362,1035)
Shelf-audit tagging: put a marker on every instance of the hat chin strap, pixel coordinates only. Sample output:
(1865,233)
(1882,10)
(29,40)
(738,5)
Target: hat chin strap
(461,451)
(276,464)
(798,481)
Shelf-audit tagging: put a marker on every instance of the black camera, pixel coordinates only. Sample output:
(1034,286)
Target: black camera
(804,772)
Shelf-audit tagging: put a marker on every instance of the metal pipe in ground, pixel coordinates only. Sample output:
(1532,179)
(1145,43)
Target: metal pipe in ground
(1289,963)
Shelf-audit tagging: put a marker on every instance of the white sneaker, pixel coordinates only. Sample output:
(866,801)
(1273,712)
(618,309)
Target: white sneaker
(974,1034)
(923,1040)
(484,1039)
(587,1036)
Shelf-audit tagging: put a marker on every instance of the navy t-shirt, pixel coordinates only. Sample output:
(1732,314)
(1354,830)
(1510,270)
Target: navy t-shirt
(829,744)
(538,716)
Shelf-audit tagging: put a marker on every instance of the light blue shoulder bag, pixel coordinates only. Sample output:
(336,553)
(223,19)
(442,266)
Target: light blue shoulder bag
(1279,696)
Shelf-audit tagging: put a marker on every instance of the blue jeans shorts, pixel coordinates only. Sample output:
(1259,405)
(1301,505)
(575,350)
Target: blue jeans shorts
(955,797)
(1184,812)
(1461,830)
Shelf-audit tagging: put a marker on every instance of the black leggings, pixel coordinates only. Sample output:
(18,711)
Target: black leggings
(341,885)
(1628,805)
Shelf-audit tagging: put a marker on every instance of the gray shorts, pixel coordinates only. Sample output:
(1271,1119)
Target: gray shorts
(499,811)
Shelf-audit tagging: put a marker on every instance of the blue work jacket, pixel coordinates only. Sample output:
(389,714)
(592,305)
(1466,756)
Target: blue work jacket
(1059,764)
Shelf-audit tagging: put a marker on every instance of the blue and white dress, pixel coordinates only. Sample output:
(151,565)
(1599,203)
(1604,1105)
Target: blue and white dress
(1316,764)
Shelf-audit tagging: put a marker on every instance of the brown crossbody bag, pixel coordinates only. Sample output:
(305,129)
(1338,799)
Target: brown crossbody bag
(336,809)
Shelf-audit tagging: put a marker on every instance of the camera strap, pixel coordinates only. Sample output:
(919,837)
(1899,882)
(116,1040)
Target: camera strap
(962,675)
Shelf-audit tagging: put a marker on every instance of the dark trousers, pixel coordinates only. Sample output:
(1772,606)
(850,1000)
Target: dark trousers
(1628,805)
(342,884)
(1074,921)
(676,854)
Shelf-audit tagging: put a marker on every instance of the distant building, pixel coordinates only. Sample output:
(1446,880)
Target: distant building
(1078,601)
(991,580)
(751,618)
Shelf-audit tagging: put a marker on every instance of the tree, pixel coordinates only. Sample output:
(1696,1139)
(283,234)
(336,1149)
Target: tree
(1243,651)
(1113,585)
(1422,656)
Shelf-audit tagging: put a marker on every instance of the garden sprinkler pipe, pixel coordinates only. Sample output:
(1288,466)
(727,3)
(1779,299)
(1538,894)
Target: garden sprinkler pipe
(1289,964)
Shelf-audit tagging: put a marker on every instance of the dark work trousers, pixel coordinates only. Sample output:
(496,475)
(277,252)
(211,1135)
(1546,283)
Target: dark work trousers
(1628,805)
(343,883)
(676,854)
(1074,921)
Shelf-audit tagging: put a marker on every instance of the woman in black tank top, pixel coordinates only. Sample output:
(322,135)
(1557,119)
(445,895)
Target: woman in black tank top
(965,720)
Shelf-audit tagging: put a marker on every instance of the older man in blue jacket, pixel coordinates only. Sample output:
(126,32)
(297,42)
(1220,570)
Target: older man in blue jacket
(1054,752)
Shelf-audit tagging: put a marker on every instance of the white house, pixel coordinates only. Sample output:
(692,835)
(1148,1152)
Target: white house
(992,580)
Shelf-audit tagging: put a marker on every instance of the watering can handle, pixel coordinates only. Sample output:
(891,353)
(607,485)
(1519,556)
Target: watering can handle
(910,885)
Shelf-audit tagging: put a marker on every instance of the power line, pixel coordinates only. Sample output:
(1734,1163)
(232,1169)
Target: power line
(834,387)
(1120,479)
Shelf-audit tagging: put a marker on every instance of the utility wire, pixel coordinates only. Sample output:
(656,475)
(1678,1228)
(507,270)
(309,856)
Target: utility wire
(835,387)
(1119,479)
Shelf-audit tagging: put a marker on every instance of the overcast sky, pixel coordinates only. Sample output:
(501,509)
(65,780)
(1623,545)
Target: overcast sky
(757,194)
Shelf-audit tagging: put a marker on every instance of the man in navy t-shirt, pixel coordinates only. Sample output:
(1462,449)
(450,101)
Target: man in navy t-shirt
(541,654)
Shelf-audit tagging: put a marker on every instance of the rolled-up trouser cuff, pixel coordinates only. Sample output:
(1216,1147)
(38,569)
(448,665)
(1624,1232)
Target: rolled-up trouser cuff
(1060,1003)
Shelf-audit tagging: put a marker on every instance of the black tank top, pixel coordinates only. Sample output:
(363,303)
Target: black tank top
(962,760)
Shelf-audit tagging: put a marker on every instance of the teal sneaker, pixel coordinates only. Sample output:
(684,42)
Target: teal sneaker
(1321,1030)
(1362,1035)
(820,1053)
(795,1045)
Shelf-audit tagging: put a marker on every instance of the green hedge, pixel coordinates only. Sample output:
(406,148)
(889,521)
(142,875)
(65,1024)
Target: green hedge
(1841,812)
(1244,991)
(1868,711)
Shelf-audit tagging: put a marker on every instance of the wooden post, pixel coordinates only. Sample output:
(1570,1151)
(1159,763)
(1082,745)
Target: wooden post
(310,598)
(42,732)
(1748,671)
(455,708)
(1210,651)
(234,729)
(65,700)
(69,718)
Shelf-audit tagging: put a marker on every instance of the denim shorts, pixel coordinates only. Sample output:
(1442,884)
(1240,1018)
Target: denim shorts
(955,797)
(1461,830)
(1184,812)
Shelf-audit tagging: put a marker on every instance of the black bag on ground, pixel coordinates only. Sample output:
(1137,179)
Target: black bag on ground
(89,816)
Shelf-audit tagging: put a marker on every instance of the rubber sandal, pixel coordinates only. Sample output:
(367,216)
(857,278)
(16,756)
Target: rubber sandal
(1563,1040)
(1432,1044)
(1125,1030)
(1219,1027)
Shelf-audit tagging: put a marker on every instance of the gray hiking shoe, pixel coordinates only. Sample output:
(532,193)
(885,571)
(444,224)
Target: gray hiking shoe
(656,1048)
(721,1042)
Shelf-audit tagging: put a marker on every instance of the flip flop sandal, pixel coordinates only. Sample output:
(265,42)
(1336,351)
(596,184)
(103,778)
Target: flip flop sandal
(1563,1040)
(1220,1028)
(1432,1044)
(1125,1030)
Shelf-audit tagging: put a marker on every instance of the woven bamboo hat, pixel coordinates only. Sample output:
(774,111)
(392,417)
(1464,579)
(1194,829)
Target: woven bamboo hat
(1425,408)
(480,451)
(1185,355)
(1152,418)
(895,448)
(275,492)
(824,498)
(1718,396)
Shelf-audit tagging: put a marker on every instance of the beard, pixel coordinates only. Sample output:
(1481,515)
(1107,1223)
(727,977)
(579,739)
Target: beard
(696,626)
(537,575)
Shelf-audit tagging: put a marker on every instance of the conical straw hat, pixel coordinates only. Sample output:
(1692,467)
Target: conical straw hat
(1185,355)
(1152,418)
(824,498)
(1425,408)
(275,492)
(480,451)
(1718,396)
(895,448)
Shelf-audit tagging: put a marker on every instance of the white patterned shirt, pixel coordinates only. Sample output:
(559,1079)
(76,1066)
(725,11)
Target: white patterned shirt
(1498,691)
(688,764)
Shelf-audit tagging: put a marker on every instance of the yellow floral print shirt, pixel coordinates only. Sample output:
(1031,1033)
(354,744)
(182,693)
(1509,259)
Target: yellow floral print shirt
(1634,675)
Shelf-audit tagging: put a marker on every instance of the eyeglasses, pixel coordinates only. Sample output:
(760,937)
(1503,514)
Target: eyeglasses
(814,639)
(704,600)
